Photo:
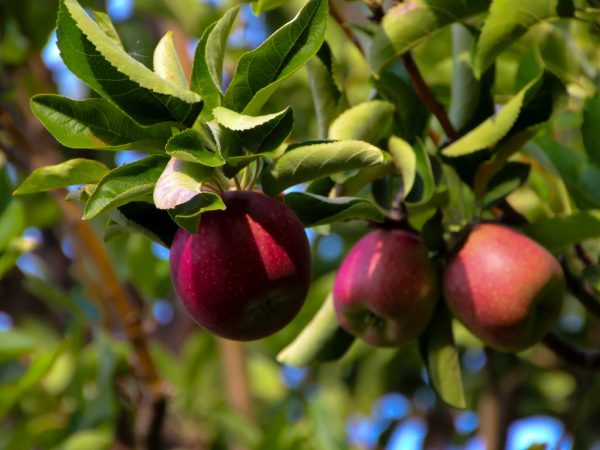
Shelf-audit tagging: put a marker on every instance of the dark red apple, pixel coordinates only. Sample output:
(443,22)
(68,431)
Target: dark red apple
(245,273)
(504,287)
(386,289)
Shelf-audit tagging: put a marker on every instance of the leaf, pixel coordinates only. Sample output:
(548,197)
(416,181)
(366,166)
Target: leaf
(580,176)
(557,234)
(322,340)
(412,116)
(201,82)
(179,182)
(126,183)
(14,344)
(261,70)
(216,43)
(145,218)
(507,22)
(424,183)
(96,124)
(314,210)
(13,221)
(405,161)
(512,176)
(68,173)
(590,129)
(261,6)
(188,215)
(257,133)
(88,440)
(105,23)
(189,146)
(472,98)
(407,24)
(495,128)
(369,121)
(166,62)
(311,160)
(326,88)
(103,65)
(441,359)
(39,367)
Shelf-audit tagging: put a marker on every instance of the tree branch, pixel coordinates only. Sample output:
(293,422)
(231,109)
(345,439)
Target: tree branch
(426,95)
(584,358)
(337,16)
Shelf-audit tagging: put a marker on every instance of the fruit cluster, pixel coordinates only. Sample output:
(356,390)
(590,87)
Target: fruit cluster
(245,274)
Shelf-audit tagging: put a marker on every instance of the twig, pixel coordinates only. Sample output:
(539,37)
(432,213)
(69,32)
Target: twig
(335,14)
(582,291)
(426,95)
(586,359)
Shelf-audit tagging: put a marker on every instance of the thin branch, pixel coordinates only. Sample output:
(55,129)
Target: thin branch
(584,358)
(426,95)
(336,15)
(582,291)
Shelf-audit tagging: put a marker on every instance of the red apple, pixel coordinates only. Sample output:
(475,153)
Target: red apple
(386,289)
(245,273)
(504,287)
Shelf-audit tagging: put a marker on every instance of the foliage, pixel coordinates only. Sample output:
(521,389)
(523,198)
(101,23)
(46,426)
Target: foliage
(361,138)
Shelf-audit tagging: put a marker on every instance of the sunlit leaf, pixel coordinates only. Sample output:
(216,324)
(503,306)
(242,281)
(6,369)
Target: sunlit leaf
(369,121)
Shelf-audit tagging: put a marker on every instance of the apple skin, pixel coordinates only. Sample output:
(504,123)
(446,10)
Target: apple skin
(386,288)
(245,273)
(504,287)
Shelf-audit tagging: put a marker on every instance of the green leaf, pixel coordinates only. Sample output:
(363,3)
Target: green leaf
(102,64)
(215,46)
(407,24)
(509,178)
(189,145)
(311,160)
(37,370)
(314,210)
(326,88)
(188,215)
(441,359)
(590,129)
(405,160)
(495,128)
(559,233)
(320,341)
(180,182)
(68,173)
(580,176)
(12,222)
(201,82)
(166,62)
(412,116)
(96,124)
(261,70)
(88,440)
(507,22)
(145,218)
(105,22)
(260,6)
(472,98)
(369,121)
(423,186)
(127,183)
(257,133)
(14,344)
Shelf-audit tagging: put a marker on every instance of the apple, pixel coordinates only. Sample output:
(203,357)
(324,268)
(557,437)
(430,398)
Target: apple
(245,273)
(504,287)
(386,288)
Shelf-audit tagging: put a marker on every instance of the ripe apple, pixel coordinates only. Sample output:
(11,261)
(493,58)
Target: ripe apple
(386,289)
(504,287)
(245,273)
